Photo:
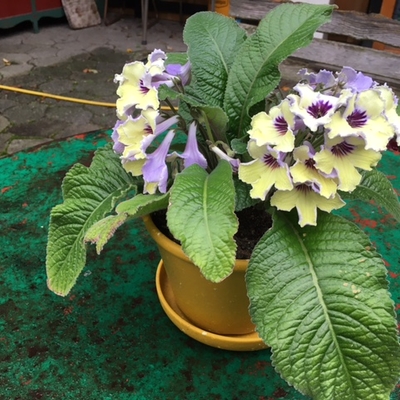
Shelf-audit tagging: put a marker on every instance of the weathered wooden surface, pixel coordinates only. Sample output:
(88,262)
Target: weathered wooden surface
(380,65)
(355,24)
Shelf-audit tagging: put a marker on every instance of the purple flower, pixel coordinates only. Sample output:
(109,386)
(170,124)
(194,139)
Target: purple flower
(323,77)
(192,155)
(118,146)
(155,170)
(183,72)
(356,81)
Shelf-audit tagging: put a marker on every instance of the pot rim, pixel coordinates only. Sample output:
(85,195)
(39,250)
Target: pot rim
(175,248)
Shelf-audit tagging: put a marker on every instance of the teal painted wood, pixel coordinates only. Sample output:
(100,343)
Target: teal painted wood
(109,339)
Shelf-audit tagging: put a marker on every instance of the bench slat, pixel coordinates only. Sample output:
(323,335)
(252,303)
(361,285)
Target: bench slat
(355,24)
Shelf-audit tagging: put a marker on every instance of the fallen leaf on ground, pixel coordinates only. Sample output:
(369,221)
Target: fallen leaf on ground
(6,62)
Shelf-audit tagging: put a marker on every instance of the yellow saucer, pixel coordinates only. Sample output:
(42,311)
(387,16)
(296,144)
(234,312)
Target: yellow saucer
(248,342)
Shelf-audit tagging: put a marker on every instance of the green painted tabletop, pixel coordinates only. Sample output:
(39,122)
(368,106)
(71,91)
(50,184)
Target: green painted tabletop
(109,338)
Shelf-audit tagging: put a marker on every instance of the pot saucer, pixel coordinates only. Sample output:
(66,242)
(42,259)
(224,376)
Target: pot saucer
(248,342)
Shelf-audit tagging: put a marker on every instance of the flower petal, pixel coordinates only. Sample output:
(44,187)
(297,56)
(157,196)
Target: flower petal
(306,202)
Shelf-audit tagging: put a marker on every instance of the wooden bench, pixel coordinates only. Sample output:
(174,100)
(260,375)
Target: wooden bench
(383,66)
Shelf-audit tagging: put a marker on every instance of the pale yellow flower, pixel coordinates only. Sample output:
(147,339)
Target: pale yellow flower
(342,156)
(275,128)
(306,202)
(267,170)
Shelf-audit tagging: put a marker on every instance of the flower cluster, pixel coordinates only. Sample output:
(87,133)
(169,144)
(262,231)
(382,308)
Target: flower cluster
(315,141)
(140,120)
(305,150)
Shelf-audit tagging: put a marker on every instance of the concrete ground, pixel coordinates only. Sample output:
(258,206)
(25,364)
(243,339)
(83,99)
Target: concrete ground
(72,63)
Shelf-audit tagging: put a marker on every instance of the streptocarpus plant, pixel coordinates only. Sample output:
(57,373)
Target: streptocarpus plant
(203,139)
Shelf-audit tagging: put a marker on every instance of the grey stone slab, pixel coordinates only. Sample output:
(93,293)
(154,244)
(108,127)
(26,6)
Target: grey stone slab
(69,115)
(16,145)
(32,111)
(13,70)
(5,102)
(57,86)
(4,141)
(72,130)
(4,123)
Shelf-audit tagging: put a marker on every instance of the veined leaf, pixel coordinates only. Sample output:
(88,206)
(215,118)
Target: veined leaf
(201,216)
(213,41)
(319,297)
(242,195)
(255,73)
(218,121)
(143,204)
(376,186)
(102,231)
(89,194)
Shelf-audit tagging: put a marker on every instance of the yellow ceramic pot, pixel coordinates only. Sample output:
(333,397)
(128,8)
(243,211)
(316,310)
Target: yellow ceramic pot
(221,308)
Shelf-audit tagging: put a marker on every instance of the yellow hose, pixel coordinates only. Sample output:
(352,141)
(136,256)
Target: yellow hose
(56,97)
(62,98)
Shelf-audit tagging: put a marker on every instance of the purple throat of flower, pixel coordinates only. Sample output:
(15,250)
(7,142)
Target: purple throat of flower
(271,161)
(143,88)
(319,109)
(304,188)
(357,119)
(310,163)
(342,149)
(281,125)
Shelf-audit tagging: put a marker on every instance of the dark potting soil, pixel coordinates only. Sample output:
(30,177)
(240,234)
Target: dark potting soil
(253,223)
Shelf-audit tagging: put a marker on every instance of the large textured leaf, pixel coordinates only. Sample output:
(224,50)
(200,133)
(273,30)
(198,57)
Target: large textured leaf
(201,216)
(319,297)
(255,72)
(89,194)
(213,41)
(143,204)
(102,231)
(377,187)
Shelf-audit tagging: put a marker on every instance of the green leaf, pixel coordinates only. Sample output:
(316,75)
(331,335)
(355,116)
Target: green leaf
(319,297)
(213,41)
(238,146)
(89,194)
(218,121)
(102,231)
(255,72)
(143,204)
(376,186)
(201,216)
(242,195)
(176,58)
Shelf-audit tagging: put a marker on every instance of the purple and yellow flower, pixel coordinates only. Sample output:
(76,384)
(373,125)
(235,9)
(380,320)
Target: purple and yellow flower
(135,89)
(134,134)
(268,169)
(191,154)
(306,201)
(305,172)
(155,170)
(363,116)
(275,128)
(341,157)
(315,108)
(391,103)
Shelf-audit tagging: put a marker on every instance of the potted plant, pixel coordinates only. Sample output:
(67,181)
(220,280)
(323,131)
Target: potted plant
(206,136)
